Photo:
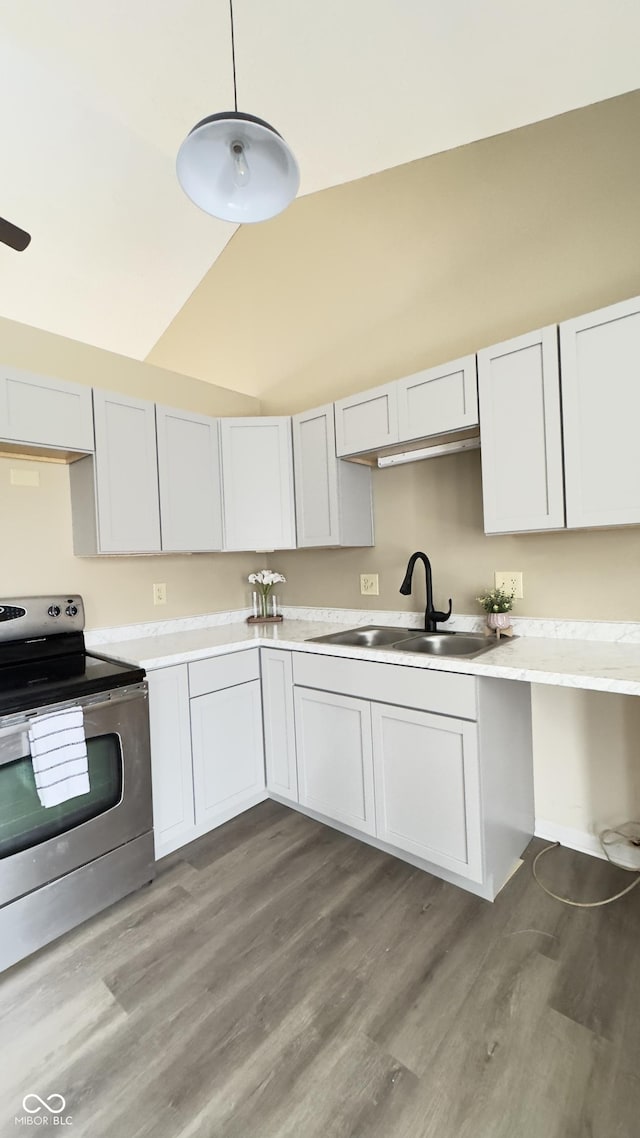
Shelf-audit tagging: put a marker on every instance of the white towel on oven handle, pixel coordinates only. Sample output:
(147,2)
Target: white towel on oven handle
(59,755)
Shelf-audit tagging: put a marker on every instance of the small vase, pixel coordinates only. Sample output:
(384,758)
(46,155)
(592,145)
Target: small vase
(264,607)
(499,620)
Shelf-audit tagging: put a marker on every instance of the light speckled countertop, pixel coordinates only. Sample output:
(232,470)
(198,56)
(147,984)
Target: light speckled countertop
(590,664)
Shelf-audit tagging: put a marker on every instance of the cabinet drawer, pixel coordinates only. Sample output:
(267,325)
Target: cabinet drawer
(444,693)
(223,672)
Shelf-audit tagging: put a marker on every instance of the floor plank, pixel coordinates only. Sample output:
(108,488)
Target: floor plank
(281,980)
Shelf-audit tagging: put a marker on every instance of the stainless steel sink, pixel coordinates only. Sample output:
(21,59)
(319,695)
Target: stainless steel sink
(408,640)
(448,644)
(369,637)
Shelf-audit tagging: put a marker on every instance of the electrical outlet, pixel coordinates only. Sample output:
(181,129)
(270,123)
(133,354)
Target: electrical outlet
(510,581)
(369,585)
(159,594)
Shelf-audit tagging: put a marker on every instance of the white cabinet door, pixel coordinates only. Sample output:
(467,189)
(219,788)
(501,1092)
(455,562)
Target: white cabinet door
(438,400)
(600,357)
(521,435)
(45,412)
(189,479)
(257,480)
(333,497)
(172,775)
(367,421)
(120,483)
(278,719)
(427,787)
(335,765)
(228,752)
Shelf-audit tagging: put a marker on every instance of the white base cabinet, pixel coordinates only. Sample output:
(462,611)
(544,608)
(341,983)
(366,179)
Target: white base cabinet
(278,723)
(228,756)
(430,766)
(207,757)
(427,785)
(171,769)
(335,763)
(452,765)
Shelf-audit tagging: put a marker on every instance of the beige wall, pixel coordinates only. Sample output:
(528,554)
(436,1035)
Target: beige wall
(436,505)
(35,522)
(378,278)
(42,352)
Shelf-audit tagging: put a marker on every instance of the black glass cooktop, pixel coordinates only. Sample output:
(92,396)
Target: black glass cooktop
(46,679)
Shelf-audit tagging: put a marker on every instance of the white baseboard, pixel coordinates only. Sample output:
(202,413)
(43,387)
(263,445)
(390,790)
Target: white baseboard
(579,840)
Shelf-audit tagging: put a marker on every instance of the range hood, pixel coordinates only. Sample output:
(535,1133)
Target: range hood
(420,449)
(433,451)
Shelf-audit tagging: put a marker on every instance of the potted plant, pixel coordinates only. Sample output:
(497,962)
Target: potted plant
(497,603)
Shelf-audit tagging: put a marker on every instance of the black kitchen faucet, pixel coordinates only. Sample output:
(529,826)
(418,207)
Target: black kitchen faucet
(431,615)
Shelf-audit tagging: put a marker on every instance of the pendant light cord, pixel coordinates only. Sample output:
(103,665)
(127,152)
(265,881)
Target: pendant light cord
(233,57)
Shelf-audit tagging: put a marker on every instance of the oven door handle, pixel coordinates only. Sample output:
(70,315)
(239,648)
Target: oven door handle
(12,748)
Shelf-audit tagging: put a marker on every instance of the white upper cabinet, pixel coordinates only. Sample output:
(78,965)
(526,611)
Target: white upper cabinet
(600,358)
(520,429)
(257,481)
(189,480)
(45,412)
(438,400)
(367,421)
(333,498)
(115,493)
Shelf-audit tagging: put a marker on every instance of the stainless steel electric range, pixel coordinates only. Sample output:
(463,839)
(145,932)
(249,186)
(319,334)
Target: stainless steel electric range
(63,863)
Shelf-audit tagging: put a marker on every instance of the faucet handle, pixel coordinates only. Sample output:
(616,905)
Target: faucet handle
(440,617)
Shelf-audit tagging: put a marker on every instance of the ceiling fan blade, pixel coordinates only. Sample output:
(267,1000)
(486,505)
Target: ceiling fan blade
(11,235)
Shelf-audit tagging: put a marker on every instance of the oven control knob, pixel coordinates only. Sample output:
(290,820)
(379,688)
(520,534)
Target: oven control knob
(71,610)
(54,610)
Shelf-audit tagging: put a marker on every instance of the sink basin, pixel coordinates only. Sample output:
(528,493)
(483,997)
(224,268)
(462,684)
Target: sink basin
(448,644)
(368,637)
(408,640)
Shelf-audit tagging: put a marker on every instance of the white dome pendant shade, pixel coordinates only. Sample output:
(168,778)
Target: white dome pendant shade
(238,168)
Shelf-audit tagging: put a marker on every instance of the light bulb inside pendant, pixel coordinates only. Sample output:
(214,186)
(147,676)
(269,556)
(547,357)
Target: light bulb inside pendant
(241,171)
(215,172)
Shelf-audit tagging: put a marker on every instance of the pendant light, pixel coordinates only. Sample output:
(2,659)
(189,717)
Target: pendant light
(235,166)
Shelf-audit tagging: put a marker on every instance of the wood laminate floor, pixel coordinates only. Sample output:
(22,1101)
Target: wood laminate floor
(281,980)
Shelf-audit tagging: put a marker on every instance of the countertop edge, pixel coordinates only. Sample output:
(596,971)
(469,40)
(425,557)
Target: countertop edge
(491,668)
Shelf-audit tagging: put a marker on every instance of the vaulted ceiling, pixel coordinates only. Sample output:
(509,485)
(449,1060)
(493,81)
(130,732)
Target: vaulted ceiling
(95,100)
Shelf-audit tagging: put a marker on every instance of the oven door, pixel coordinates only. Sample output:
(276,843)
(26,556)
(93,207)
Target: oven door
(39,844)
